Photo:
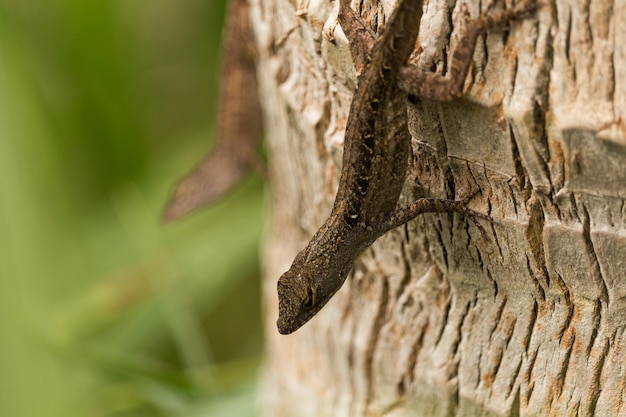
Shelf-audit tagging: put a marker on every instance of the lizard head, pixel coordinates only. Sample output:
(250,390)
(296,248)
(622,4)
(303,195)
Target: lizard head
(306,287)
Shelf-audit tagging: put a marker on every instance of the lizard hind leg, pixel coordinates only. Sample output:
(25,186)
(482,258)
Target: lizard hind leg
(417,82)
(360,37)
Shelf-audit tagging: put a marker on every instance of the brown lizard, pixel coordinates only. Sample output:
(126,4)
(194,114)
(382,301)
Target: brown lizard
(376,153)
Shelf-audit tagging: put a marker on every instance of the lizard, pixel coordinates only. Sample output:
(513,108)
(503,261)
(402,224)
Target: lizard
(238,122)
(376,153)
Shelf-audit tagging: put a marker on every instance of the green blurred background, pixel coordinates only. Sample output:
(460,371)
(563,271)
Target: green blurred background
(105,311)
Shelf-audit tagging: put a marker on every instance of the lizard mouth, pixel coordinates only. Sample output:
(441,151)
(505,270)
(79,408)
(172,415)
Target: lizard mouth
(283,326)
(293,312)
(289,315)
(288,325)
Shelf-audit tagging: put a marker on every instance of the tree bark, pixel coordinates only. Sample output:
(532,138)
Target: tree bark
(435,319)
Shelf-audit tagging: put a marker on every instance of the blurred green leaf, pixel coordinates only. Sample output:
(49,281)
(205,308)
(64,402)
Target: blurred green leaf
(104,311)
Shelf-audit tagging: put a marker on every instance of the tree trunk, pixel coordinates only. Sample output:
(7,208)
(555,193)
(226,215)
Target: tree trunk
(435,318)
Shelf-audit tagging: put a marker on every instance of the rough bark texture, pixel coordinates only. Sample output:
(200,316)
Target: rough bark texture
(435,320)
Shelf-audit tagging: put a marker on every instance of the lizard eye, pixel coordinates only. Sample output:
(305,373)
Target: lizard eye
(310,298)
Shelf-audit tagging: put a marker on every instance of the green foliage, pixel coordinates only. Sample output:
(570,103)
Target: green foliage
(105,311)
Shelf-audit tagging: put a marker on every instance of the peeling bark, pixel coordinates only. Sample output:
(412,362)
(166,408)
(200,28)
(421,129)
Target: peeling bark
(435,320)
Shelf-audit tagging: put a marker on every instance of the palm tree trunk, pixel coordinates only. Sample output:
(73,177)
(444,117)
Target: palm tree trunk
(435,318)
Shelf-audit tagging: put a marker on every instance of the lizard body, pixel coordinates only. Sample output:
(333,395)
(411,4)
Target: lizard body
(376,154)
